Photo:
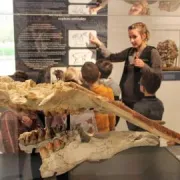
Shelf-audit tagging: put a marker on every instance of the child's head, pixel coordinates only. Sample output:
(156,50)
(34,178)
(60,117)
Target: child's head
(90,72)
(150,82)
(72,75)
(20,76)
(105,68)
(138,34)
(140,7)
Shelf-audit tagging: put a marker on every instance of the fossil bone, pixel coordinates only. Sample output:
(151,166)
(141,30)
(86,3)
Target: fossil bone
(76,152)
(66,150)
(70,97)
(62,150)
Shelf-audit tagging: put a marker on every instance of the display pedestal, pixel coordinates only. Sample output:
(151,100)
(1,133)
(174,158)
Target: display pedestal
(141,163)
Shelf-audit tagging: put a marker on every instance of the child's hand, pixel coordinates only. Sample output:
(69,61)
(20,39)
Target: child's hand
(27,121)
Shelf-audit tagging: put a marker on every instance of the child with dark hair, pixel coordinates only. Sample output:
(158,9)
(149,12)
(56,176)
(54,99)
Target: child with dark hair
(20,76)
(105,68)
(91,74)
(149,106)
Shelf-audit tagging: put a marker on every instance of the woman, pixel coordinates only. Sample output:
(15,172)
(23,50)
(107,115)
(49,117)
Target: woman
(139,59)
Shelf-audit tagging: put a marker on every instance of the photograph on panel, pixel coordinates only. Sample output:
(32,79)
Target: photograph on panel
(144,7)
(78,9)
(80,56)
(167,44)
(127,7)
(80,38)
(83,9)
(153,7)
(57,74)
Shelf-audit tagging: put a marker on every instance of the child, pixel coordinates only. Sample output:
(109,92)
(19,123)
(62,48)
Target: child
(87,118)
(149,106)
(105,68)
(72,75)
(91,74)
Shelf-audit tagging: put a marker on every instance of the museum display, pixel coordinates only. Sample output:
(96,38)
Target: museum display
(56,144)
(169,54)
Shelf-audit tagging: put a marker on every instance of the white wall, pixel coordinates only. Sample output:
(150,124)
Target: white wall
(162,26)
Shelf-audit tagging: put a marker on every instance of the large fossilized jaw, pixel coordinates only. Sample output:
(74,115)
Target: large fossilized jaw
(72,100)
(40,137)
(70,97)
(61,161)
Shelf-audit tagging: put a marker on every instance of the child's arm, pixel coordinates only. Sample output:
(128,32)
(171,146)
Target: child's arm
(9,130)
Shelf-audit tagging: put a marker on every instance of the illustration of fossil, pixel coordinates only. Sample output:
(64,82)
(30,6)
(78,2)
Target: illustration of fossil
(80,57)
(78,9)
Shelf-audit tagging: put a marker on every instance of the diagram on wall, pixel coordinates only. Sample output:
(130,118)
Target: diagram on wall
(80,38)
(79,9)
(80,56)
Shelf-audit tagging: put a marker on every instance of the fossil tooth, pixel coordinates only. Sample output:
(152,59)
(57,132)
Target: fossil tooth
(50,147)
(34,137)
(58,144)
(41,134)
(44,152)
(84,137)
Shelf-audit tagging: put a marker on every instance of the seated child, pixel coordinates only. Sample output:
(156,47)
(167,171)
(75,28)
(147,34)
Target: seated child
(91,74)
(150,106)
(105,68)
